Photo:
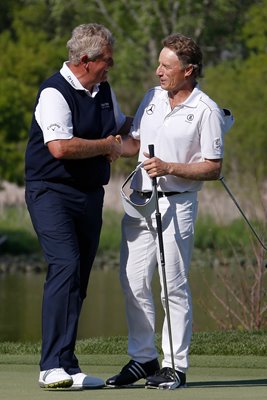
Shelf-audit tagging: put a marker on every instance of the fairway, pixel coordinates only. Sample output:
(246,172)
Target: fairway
(209,377)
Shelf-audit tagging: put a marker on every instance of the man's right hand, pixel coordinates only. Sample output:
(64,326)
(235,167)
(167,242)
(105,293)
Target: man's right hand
(79,148)
(115,147)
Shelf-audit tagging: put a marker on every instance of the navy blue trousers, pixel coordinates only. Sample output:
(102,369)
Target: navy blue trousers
(68,223)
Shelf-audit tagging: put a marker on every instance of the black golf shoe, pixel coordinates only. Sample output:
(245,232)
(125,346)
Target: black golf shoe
(165,379)
(132,372)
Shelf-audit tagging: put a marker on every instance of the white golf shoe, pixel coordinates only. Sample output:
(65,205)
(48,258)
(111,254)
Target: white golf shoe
(82,381)
(55,378)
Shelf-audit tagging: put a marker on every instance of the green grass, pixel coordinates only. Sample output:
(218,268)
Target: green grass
(233,343)
(209,381)
(223,366)
(199,361)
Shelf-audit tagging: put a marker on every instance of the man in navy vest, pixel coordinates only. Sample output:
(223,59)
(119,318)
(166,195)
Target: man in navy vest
(75,134)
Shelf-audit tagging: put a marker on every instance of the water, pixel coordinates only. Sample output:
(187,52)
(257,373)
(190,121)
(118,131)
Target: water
(103,313)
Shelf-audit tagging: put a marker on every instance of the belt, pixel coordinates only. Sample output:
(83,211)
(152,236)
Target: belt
(147,195)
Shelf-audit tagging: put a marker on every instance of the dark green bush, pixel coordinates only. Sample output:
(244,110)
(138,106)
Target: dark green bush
(16,226)
(228,239)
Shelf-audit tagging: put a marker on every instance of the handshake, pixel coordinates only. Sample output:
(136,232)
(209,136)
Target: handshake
(114,147)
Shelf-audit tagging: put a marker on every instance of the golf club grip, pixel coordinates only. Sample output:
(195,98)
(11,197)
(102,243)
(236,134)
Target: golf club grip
(152,154)
(151,150)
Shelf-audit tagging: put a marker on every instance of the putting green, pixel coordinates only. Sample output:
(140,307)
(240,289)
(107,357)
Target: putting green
(209,378)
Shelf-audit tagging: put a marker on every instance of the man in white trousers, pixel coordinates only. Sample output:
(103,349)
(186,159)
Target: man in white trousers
(187,130)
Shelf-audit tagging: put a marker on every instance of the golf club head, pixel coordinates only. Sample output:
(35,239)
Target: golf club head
(170,385)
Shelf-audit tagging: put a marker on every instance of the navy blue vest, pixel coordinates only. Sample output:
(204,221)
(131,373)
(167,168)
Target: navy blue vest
(92,118)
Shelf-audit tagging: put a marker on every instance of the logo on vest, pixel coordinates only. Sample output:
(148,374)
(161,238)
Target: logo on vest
(105,105)
(150,109)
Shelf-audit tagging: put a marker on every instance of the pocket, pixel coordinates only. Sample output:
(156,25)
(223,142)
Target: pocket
(186,217)
(34,191)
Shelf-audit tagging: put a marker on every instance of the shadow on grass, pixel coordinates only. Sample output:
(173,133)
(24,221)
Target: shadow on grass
(238,383)
(204,385)
(70,389)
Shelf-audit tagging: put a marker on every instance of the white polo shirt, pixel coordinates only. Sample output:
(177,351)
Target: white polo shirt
(191,132)
(53,110)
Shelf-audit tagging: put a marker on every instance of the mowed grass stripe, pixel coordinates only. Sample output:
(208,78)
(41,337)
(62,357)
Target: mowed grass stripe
(204,383)
(99,360)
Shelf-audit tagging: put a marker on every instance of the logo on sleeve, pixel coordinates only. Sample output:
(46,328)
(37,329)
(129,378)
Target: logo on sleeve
(150,109)
(217,144)
(53,127)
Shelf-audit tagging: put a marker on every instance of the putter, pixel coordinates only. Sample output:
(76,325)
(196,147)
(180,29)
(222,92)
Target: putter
(242,213)
(165,288)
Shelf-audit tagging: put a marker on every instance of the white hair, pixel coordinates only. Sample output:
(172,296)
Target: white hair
(88,39)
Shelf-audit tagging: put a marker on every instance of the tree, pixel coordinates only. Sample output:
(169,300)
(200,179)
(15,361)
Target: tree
(241,86)
(33,41)
(28,57)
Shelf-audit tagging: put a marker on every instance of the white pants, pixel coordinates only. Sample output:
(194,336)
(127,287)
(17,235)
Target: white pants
(139,259)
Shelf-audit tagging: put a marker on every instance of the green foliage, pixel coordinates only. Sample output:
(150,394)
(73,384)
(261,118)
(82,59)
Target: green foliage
(15,225)
(111,233)
(20,348)
(100,345)
(18,242)
(254,31)
(223,238)
(33,37)
(229,343)
(232,343)
(29,57)
(241,87)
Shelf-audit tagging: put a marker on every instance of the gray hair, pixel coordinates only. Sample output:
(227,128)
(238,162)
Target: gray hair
(187,51)
(88,39)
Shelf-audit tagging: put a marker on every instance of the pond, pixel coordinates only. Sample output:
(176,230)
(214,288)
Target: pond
(103,313)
